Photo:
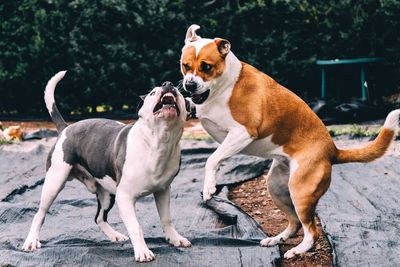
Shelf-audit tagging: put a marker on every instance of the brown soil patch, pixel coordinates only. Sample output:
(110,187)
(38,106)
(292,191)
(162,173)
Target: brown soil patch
(253,197)
(29,125)
(35,125)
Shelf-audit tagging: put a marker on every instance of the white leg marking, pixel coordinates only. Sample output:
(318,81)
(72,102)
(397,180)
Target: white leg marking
(303,247)
(236,140)
(163,207)
(54,181)
(282,237)
(126,206)
(105,202)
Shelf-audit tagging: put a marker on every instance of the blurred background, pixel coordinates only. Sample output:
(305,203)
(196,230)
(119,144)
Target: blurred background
(116,50)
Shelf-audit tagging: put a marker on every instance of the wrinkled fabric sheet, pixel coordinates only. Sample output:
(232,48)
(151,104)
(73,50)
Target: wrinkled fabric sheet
(361,213)
(221,233)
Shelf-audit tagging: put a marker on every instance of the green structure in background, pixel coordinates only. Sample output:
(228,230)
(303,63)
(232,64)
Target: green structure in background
(360,61)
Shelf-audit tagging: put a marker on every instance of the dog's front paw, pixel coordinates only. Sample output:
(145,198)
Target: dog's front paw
(209,189)
(178,241)
(31,244)
(143,254)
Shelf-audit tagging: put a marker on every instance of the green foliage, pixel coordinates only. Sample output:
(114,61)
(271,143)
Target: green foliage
(5,142)
(356,131)
(197,137)
(116,50)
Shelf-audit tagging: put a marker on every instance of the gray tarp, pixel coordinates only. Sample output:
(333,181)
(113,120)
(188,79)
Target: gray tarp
(221,234)
(360,213)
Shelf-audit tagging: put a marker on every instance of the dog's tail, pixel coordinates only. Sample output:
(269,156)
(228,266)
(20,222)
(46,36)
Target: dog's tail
(50,102)
(376,148)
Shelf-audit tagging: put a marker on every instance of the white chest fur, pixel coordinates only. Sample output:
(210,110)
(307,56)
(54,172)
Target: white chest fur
(216,117)
(149,167)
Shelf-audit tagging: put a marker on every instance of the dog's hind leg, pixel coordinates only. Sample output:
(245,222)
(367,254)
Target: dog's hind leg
(308,182)
(105,202)
(55,179)
(277,181)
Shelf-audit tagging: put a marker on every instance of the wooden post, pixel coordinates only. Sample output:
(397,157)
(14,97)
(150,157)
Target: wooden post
(323,88)
(363,89)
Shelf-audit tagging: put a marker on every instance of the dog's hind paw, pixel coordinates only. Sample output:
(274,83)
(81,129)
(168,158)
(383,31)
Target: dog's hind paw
(31,244)
(117,236)
(291,253)
(271,241)
(175,239)
(180,242)
(300,249)
(303,247)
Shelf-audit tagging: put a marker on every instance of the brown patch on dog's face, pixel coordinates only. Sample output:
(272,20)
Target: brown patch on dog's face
(209,63)
(188,59)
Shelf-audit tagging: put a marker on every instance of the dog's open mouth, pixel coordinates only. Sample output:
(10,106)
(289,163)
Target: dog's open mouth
(166,107)
(200,98)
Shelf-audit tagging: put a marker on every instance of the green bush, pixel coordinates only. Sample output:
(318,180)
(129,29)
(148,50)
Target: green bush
(116,50)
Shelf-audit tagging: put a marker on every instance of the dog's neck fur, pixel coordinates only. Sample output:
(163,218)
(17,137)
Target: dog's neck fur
(158,131)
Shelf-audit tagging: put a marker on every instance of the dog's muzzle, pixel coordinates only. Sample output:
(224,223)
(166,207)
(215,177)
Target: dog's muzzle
(167,106)
(191,87)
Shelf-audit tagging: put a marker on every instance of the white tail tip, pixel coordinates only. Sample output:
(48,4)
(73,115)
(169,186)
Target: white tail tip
(50,87)
(59,75)
(392,120)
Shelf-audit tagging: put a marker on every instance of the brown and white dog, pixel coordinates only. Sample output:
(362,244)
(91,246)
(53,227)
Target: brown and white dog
(247,111)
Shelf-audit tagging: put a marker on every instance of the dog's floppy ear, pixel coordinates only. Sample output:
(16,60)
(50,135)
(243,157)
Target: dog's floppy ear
(224,46)
(139,106)
(191,35)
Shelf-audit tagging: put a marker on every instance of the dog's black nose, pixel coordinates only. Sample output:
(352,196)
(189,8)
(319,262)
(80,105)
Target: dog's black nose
(168,87)
(190,86)
(167,84)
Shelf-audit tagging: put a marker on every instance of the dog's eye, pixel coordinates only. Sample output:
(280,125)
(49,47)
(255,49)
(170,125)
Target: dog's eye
(205,67)
(186,66)
(152,93)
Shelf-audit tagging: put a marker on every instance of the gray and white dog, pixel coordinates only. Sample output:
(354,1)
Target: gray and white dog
(118,162)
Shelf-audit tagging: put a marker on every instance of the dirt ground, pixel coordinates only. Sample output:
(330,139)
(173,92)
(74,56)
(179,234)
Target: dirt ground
(253,197)
(35,125)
